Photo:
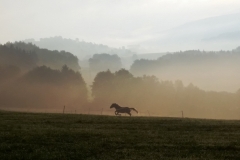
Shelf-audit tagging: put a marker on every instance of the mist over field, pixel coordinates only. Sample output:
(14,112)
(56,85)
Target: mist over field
(161,57)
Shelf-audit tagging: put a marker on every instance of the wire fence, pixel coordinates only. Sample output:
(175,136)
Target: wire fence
(94,111)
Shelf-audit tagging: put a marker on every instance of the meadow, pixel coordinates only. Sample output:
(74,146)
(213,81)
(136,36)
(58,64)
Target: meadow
(89,137)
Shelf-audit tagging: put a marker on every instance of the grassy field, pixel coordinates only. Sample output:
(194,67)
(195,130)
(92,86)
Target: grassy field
(58,136)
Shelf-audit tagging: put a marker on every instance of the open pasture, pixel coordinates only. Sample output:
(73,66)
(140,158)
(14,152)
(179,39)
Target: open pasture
(66,136)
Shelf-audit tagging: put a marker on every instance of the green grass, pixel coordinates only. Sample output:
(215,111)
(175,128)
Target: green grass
(58,136)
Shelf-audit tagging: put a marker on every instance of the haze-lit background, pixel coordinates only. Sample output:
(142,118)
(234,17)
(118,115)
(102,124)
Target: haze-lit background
(141,25)
(159,56)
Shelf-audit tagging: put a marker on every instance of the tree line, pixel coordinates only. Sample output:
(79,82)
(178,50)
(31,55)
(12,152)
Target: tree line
(219,71)
(32,77)
(190,58)
(27,56)
(163,97)
(41,86)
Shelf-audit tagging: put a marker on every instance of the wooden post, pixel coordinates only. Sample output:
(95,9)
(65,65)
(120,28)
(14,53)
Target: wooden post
(63,109)
(182,115)
(148,113)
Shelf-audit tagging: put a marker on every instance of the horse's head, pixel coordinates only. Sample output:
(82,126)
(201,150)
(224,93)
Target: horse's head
(113,105)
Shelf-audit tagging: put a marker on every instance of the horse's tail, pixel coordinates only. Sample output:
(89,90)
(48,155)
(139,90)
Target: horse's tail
(134,109)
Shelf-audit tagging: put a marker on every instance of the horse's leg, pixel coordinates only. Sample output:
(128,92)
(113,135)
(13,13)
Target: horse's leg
(117,114)
(129,114)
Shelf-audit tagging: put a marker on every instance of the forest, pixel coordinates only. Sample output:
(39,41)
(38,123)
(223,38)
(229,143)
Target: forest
(193,58)
(28,55)
(209,70)
(28,81)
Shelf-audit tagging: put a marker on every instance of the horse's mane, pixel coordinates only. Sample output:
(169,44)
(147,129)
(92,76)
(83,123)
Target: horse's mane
(114,105)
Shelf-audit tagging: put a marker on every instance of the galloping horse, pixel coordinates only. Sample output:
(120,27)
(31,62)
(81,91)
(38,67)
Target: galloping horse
(120,109)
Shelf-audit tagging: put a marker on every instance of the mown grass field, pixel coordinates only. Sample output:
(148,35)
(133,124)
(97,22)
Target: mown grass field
(58,136)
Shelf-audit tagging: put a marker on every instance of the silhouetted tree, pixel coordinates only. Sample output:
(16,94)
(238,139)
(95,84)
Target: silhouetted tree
(191,60)
(44,87)
(8,73)
(162,97)
(10,55)
(102,62)
(53,59)
(103,86)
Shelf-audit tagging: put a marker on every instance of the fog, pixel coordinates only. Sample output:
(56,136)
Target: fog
(161,57)
(116,23)
(205,76)
(211,71)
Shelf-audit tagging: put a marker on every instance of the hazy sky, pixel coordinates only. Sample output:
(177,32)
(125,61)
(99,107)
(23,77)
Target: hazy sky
(112,22)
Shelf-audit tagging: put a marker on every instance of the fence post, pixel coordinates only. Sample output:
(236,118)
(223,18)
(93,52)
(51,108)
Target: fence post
(148,113)
(63,109)
(182,115)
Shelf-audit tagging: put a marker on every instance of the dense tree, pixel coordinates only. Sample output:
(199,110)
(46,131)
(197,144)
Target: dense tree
(8,73)
(162,97)
(53,59)
(43,83)
(46,88)
(102,62)
(10,55)
(103,86)
(208,70)
(237,49)
(192,58)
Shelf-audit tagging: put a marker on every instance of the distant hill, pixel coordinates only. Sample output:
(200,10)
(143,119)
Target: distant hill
(219,71)
(82,49)
(150,56)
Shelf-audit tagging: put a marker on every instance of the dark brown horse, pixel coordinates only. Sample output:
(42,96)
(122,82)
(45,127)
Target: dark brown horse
(120,109)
